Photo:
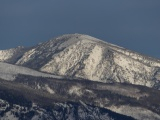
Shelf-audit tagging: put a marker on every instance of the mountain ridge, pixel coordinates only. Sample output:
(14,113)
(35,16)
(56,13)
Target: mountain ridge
(126,99)
(86,57)
(77,76)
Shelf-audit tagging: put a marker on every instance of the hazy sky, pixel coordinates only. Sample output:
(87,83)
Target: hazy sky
(133,24)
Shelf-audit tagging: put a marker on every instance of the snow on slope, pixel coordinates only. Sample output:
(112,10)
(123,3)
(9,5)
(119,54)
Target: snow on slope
(9,72)
(135,112)
(83,56)
(11,55)
(95,60)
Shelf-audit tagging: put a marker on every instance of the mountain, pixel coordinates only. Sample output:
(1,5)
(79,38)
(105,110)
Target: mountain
(78,77)
(83,56)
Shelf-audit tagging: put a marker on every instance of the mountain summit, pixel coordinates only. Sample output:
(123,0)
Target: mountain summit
(86,57)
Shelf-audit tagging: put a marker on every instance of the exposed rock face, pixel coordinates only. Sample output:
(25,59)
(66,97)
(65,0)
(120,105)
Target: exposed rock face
(86,57)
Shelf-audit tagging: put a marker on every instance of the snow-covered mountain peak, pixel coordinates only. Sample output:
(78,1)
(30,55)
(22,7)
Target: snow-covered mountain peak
(75,63)
(70,39)
(83,56)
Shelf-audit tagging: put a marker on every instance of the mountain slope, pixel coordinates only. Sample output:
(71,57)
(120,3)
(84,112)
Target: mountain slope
(13,54)
(21,102)
(81,78)
(9,72)
(139,102)
(82,56)
(125,99)
(60,111)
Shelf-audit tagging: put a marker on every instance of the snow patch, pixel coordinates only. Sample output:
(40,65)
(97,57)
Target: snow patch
(9,72)
(9,116)
(49,89)
(135,112)
(75,90)
(8,54)
(92,62)
(26,57)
